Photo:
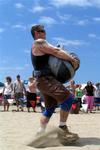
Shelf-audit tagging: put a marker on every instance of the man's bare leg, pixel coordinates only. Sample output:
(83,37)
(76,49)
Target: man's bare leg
(63,115)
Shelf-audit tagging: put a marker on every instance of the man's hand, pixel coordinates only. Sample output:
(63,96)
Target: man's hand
(75,63)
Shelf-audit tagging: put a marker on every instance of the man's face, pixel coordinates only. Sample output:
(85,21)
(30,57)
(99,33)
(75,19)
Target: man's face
(18,78)
(41,34)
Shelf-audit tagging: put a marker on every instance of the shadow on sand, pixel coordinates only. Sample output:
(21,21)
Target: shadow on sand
(88,141)
(54,142)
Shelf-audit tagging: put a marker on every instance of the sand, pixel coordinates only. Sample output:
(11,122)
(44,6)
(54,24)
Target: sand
(18,129)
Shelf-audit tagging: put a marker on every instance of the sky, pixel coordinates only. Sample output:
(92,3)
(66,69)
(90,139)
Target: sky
(74,24)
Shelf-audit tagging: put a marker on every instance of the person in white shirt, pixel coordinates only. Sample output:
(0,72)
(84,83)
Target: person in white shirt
(7,92)
(19,91)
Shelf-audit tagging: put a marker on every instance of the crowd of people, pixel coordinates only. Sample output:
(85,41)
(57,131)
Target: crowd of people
(86,97)
(17,93)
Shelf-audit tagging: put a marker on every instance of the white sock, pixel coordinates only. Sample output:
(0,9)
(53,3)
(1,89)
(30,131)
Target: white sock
(62,123)
(41,129)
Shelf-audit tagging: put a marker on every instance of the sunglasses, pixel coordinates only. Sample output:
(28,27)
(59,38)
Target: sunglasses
(42,31)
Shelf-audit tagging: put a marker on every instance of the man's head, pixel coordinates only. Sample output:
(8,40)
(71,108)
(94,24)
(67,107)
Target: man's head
(38,31)
(18,77)
(8,79)
(89,83)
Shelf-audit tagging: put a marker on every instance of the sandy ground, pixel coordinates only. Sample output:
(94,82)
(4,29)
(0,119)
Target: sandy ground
(18,129)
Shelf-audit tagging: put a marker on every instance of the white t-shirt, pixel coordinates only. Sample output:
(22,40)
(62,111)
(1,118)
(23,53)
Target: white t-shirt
(18,86)
(8,88)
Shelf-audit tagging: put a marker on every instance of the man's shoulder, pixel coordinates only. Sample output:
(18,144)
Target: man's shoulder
(16,82)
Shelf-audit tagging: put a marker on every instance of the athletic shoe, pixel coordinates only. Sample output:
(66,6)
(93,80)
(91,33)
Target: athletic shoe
(66,136)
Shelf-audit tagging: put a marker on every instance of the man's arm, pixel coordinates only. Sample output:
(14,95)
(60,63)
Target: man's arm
(47,48)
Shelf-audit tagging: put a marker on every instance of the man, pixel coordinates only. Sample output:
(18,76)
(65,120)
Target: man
(31,94)
(19,90)
(53,91)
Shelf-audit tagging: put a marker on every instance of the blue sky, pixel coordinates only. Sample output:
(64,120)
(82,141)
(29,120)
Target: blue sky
(75,24)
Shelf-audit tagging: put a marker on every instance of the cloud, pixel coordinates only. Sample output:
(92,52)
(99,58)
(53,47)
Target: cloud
(37,8)
(47,20)
(27,65)
(70,18)
(64,17)
(13,68)
(3,61)
(82,22)
(65,42)
(2,30)
(81,3)
(95,3)
(96,19)
(19,26)
(19,5)
(94,36)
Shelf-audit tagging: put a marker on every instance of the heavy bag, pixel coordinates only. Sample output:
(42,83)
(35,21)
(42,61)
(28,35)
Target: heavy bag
(62,70)
(76,57)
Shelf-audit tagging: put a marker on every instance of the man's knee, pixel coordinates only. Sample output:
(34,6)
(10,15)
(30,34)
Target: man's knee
(48,112)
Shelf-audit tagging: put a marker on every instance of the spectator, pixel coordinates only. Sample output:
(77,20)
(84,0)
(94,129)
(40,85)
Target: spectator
(71,87)
(31,94)
(89,89)
(97,95)
(7,92)
(78,95)
(19,91)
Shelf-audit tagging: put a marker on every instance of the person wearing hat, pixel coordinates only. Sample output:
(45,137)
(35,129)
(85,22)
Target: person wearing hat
(31,94)
(53,91)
